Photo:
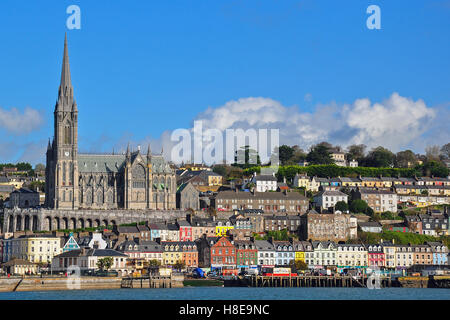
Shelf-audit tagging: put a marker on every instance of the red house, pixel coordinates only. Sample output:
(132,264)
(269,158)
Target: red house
(375,255)
(185,230)
(223,256)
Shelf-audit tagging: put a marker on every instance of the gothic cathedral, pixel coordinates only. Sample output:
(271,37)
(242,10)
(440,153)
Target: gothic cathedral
(99,181)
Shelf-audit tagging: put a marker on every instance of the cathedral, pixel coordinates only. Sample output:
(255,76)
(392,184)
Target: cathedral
(133,180)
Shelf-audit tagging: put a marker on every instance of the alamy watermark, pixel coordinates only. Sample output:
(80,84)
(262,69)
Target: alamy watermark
(374,20)
(74,20)
(214,146)
(73,277)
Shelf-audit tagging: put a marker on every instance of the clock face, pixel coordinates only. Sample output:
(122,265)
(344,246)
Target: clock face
(66,153)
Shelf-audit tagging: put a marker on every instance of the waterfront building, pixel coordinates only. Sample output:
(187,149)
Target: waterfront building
(302,249)
(404,256)
(422,254)
(266,253)
(375,255)
(389,249)
(352,256)
(87,260)
(246,254)
(223,256)
(34,248)
(324,254)
(285,252)
(440,253)
(71,244)
(180,251)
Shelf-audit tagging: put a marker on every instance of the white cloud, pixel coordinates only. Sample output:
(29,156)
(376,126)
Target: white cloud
(15,122)
(393,123)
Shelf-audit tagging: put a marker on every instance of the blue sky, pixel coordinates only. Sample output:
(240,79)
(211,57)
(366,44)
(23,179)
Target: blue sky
(144,68)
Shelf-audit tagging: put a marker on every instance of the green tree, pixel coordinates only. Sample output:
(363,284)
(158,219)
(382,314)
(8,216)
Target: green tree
(154,263)
(319,154)
(105,264)
(39,167)
(341,206)
(248,156)
(405,159)
(298,265)
(379,157)
(358,206)
(356,152)
(434,168)
(179,265)
(285,154)
(445,151)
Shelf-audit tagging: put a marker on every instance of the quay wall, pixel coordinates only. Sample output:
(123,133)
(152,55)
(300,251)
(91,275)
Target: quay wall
(44,284)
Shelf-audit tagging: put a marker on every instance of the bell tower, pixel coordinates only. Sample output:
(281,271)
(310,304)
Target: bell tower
(65,144)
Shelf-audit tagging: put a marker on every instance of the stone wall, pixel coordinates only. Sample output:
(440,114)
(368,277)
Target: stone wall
(50,220)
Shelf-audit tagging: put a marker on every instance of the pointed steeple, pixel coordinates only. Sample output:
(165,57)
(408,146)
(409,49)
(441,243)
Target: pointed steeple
(49,145)
(65,95)
(149,151)
(66,81)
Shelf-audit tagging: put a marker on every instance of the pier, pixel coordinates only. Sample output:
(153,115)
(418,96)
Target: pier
(308,281)
(173,281)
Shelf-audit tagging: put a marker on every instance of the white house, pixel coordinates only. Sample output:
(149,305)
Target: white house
(328,198)
(264,182)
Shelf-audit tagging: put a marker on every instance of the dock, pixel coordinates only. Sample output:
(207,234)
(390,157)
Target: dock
(173,281)
(307,282)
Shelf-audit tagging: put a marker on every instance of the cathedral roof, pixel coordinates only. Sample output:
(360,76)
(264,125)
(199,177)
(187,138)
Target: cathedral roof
(97,163)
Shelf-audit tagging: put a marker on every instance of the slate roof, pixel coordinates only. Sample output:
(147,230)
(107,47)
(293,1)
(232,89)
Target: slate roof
(93,163)
(260,195)
(92,253)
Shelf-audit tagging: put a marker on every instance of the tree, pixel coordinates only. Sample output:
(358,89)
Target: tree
(435,168)
(39,167)
(179,265)
(432,153)
(298,265)
(105,263)
(341,206)
(297,156)
(405,159)
(154,263)
(379,157)
(356,152)
(358,206)
(248,156)
(24,166)
(285,153)
(445,151)
(320,154)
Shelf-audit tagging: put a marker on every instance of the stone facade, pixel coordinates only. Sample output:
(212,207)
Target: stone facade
(99,181)
(51,219)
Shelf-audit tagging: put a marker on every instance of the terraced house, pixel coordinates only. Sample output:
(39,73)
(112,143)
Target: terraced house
(302,250)
(291,202)
(33,248)
(351,255)
(180,251)
(246,254)
(285,252)
(325,254)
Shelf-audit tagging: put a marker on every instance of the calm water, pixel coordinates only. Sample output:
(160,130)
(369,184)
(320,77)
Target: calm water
(221,293)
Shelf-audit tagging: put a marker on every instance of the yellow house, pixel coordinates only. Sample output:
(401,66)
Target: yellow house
(222,228)
(171,253)
(300,248)
(35,248)
(301,181)
(352,255)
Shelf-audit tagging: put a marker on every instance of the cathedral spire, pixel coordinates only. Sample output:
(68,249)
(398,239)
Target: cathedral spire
(65,96)
(65,74)
(149,151)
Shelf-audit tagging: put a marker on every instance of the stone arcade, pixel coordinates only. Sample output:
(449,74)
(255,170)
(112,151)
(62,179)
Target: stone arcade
(84,190)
